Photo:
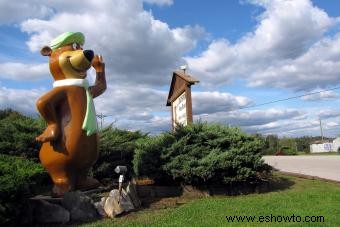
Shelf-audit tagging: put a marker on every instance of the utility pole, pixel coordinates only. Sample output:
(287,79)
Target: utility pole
(101,117)
(321,129)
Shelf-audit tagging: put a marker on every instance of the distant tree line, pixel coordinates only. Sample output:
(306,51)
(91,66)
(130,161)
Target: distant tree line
(274,144)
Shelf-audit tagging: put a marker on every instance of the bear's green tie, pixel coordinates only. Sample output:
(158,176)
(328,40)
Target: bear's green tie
(90,121)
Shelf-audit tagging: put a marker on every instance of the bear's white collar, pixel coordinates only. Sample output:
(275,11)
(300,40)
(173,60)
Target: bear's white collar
(72,82)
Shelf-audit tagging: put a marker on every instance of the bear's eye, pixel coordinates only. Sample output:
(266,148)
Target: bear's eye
(74,46)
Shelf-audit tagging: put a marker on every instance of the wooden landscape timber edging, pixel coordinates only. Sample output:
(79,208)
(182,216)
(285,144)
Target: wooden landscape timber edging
(304,176)
(154,191)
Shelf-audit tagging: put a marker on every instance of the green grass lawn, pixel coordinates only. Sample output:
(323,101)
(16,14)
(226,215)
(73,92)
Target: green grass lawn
(293,196)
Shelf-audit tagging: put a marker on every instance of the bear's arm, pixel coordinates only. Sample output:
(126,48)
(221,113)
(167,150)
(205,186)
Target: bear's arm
(100,85)
(47,103)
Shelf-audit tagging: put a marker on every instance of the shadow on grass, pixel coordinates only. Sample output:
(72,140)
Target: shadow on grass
(279,183)
(275,183)
(157,197)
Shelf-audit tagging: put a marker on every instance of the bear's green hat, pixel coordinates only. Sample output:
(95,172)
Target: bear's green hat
(67,38)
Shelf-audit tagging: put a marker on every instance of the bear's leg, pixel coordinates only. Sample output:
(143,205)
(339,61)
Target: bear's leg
(59,168)
(62,184)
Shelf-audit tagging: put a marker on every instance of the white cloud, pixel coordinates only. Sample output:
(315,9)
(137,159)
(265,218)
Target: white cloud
(318,67)
(328,113)
(133,108)
(282,32)
(212,102)
(139,51)
(332,124)
(252,117)
(287,128)
(16,11)
(127,101)
(287,50)
(284,122)
(261,117)
(23,72)
(154,125)
(160,2)
(137,48)
(22,100)
(129,107)
(325,95)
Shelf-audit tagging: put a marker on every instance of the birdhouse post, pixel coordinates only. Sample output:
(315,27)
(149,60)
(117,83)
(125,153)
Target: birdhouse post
(179,98)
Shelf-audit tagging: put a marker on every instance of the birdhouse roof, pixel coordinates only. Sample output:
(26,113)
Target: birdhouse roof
(178,83)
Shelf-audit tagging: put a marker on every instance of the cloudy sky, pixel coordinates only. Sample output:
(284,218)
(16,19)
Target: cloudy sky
(244,52)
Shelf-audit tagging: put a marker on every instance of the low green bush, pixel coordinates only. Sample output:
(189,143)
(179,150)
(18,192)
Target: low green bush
(116,147)
(17,134)
(201,153)
(148,160)
(19,179)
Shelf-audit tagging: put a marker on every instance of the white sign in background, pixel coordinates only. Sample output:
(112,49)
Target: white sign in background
(179,110)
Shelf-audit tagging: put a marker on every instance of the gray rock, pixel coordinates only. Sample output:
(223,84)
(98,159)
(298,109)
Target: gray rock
(45,212)
(123,199)
(80,206)
(116,204)
(100,207)
(132,193)
(112,207)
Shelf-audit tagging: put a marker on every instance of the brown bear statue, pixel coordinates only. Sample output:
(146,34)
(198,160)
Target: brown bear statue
(70,140)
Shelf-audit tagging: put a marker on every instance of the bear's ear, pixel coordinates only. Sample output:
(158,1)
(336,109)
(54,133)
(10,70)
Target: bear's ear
(46,51)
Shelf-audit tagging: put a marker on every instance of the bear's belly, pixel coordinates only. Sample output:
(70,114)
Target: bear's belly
(73,148)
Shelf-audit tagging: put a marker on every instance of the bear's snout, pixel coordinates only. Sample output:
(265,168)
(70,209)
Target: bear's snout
(89,55)
(75,63)
(81,60)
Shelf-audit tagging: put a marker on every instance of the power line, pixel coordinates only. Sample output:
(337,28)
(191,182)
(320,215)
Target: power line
(293,97)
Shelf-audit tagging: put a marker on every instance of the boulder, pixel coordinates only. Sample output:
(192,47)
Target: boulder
(116,204)
(132,193)
(123,199)
(48,213)
(80,206)
(112,207)
(100,207)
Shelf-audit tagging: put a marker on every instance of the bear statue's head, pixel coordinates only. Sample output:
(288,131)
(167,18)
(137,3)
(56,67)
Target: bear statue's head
(68,60)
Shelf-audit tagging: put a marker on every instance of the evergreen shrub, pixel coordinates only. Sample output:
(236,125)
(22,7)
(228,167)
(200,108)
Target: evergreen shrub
(202,154)
(19,179)
(17,134)
(116,147)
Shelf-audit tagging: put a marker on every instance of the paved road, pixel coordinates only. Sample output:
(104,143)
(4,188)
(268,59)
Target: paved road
(327,167)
